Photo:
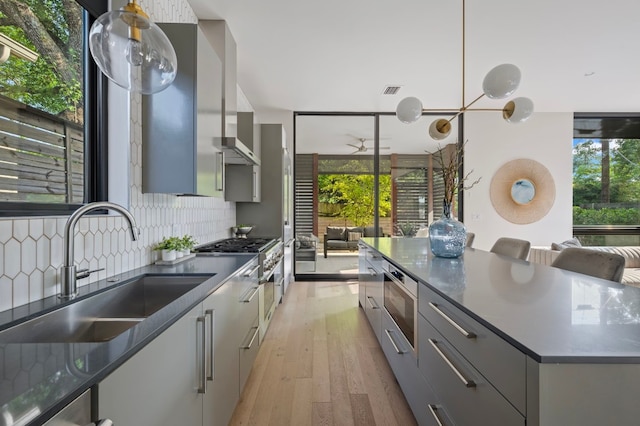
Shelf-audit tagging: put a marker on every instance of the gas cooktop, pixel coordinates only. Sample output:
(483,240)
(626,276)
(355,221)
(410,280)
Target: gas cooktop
(236,245)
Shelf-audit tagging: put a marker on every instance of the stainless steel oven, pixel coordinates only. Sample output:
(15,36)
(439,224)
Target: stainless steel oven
(401,302)
(271,282)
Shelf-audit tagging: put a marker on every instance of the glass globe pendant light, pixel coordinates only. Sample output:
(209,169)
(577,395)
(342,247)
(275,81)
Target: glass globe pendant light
(132,51)
(499,83)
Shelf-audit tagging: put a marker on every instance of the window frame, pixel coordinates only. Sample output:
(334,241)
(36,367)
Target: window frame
(95,132)
(601,127)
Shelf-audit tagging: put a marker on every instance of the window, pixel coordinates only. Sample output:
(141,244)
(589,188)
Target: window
(52,109)
(606,180)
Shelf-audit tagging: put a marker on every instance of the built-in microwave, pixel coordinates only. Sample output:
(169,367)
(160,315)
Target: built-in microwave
(401,302)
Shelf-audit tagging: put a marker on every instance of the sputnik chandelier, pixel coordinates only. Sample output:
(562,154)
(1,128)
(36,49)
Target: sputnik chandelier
(499,83)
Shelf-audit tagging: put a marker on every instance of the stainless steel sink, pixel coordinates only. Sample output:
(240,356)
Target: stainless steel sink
(106,315)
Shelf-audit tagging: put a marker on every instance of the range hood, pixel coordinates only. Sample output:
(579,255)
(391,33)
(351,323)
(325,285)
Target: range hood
(235,151)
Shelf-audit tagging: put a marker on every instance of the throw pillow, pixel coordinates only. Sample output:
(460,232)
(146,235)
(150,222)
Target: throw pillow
(573,242)
(306,241)
(335,233)
(355,236)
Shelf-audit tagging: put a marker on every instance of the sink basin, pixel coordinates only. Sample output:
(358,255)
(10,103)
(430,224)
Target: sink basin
(102,317)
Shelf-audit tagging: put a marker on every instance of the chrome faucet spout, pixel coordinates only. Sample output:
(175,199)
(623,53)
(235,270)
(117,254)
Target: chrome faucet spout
(68,273)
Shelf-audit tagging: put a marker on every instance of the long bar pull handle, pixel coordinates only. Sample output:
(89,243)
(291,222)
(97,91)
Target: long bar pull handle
(465,333)
(253,338)
(211,314)
(395,346)
(251,272)
(221,171)
(201,351)
(467,383)
(373,306)
(372,271)
(434,412)
(254,291)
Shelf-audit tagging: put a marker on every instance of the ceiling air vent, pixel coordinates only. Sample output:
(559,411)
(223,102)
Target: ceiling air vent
(391,90)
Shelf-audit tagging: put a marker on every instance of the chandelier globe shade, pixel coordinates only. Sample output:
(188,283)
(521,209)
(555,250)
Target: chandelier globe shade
(501,81)
(518,110)
(409,110)
(132,51)
(440,129)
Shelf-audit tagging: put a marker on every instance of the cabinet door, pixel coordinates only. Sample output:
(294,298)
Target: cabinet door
(223,368)
(374,299)
(362,276)
(159,384)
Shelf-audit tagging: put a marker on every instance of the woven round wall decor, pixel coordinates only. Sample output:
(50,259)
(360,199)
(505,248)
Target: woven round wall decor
(522,191)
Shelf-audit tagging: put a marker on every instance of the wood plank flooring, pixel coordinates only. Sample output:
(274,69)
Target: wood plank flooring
(320,364)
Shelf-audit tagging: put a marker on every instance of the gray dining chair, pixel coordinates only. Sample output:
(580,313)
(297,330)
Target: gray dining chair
(511,247)
(470,237)
(600,264)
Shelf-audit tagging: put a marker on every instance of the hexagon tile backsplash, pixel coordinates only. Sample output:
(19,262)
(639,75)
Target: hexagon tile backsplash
(31,249)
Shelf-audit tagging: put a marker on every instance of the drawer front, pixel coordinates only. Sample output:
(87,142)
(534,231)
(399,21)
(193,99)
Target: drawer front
(374,258)
(374,301)
(502,364)
(404,365)
(248,307)
(463,392)
(248,352)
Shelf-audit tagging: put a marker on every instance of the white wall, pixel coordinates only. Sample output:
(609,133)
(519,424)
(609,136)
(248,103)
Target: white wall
(546,138)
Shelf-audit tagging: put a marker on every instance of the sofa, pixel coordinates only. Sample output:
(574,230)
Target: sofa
(631,254)
(346,238)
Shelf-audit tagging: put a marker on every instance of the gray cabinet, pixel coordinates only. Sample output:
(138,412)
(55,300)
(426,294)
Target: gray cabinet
(180,123)
(371,279)
(402,360)
(271,214)
(159,384)
(192,373)
(233,310)
(243,182)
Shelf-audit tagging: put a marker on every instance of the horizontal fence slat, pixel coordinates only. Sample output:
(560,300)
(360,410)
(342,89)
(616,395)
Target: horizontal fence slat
(11,127)
(14,142)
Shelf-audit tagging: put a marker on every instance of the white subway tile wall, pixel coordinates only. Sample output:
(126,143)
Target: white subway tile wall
(31,250)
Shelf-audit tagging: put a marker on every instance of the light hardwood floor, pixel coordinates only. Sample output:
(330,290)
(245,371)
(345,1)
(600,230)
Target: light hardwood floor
(320,364)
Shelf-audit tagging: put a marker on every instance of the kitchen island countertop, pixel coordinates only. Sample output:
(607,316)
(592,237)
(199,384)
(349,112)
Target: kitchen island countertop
(552,315)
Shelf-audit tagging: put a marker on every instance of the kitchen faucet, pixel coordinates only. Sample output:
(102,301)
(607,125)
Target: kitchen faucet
(69,274)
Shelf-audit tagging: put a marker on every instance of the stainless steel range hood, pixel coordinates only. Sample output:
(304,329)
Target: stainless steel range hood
(235,152)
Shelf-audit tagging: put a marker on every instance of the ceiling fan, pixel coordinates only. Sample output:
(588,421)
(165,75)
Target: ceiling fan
(362,147)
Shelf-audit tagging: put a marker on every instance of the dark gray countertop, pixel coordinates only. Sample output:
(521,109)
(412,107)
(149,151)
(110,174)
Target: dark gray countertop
(552,315)
(44,377)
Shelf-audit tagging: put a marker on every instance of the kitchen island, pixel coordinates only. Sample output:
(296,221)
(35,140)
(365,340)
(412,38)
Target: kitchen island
(503,341)
(39,379)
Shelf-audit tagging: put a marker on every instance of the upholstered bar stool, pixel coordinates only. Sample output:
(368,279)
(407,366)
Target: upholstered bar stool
(600,264)
(511,247)
(470,237)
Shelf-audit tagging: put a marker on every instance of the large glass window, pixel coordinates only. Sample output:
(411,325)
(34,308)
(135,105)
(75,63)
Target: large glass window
(606,181)
(51,108)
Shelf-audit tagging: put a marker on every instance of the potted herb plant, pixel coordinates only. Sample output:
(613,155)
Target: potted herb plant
(187,244)
(168,248)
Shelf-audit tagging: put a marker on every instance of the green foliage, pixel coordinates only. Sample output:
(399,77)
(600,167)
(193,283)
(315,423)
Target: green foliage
(169,243)
(606,216)
(354,193)
(624,183)
(43,84)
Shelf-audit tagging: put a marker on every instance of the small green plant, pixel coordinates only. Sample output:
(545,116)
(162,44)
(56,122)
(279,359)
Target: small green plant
(188,242)
(168,243)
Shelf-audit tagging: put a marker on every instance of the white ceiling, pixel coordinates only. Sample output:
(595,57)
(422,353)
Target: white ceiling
(337,55)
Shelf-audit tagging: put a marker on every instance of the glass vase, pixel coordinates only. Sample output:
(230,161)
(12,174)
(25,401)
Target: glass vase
(447,236)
